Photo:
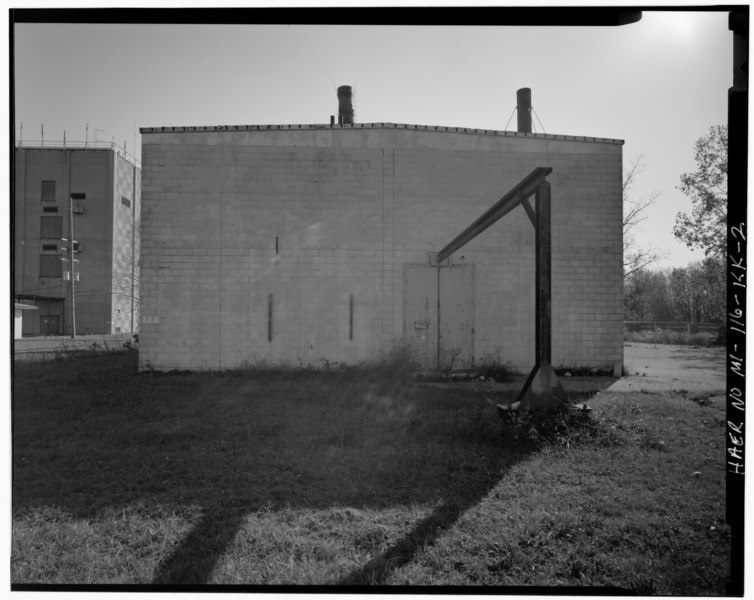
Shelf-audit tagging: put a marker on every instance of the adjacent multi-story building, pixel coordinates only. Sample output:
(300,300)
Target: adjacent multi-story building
(99,185)
(311,243)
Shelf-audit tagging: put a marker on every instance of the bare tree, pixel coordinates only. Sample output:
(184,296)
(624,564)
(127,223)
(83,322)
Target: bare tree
(126,284)
(635,257)
(125,290)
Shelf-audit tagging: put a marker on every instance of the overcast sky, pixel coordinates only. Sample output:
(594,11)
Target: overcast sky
(658,84)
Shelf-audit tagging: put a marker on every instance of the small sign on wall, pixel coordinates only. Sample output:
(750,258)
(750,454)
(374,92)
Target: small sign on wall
(149,320)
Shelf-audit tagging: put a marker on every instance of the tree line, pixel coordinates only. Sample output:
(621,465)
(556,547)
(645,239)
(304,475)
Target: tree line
(695,293)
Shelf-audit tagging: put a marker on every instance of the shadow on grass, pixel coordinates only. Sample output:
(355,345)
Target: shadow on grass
(521,434)
(377,570)
(193,561)
(91,437)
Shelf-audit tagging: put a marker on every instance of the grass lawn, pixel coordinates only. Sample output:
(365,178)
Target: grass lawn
(354,477)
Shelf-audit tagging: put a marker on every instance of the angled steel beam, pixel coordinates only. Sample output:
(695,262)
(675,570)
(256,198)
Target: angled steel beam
(525,188)
(530,212)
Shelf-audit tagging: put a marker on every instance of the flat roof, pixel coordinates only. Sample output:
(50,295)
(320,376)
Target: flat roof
(430,128)
(93,146)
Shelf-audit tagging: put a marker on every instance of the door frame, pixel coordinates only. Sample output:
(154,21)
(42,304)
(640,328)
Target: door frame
(406,267)
(44,322)
(438,349)
(472,325)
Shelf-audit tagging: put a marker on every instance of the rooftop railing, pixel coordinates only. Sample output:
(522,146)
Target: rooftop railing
(77,145)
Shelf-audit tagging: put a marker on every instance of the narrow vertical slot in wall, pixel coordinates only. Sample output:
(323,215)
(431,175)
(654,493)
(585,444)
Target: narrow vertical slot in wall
(439,323)
(269,317)
(350,317)
(277,246)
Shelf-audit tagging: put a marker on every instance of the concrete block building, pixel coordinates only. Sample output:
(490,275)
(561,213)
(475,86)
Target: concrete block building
(301,244)
(101,185)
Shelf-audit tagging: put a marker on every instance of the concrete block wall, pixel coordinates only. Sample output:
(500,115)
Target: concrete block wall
(291,223)
(303,227)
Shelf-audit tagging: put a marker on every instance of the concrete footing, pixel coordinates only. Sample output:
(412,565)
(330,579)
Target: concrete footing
(542,389)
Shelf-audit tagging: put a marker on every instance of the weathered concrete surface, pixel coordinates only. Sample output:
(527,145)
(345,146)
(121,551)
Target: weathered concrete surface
(649,368)
(666,368)
(570,384)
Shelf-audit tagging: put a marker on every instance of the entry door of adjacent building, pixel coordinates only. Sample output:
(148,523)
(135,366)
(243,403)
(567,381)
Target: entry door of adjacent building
(439,315)
(49,324)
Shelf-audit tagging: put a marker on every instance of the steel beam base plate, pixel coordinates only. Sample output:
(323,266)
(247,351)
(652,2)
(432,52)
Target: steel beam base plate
(542,390)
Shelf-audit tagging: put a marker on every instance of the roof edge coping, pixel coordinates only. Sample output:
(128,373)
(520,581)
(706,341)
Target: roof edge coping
(430,128)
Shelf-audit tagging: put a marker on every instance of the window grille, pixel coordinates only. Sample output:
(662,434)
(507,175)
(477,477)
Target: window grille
(48,191)
(51,228)
(50,265)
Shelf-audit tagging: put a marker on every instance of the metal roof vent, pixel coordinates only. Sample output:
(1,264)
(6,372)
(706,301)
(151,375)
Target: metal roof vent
(345,105)
(523,110)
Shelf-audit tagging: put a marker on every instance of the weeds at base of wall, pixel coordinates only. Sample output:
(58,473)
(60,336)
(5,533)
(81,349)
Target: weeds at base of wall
(492,366)
(398,362)
(583,371)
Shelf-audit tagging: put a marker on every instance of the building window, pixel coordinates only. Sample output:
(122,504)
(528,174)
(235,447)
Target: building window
(51,228)
(125,201)
(49,265)
(48,191)
(78,196)
(50,209)
(49,247)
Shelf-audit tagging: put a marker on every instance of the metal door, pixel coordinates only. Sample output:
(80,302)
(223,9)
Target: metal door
(420,313)
(456,310)
(49,324)
(439,315)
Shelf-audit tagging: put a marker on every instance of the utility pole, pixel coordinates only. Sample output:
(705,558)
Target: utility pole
(73,267)
(133,246)
(71,260)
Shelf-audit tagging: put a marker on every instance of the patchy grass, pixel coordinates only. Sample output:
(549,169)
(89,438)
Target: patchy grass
(354,477)
(645,513)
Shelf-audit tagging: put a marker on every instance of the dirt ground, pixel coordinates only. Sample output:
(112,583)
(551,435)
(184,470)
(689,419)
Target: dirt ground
(666,368)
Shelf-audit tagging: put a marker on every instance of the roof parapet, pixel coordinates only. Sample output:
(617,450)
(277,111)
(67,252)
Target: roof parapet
(336,127)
